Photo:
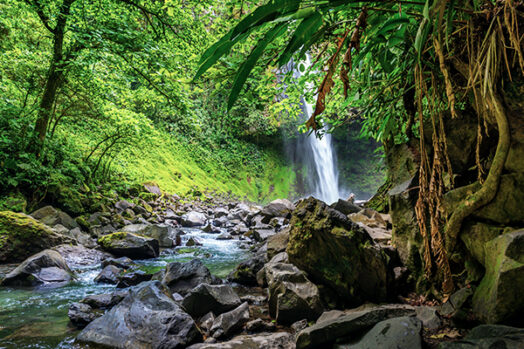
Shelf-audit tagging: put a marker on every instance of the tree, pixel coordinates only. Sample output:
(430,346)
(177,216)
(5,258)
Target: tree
(439,58)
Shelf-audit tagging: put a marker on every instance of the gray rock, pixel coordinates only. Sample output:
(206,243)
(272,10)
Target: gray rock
(193,219)
(401,332)
(193,242)
(292,296)
(45,267)
(224,236)
(489,337)
(215,298)
(299,325)
(81,314)
(51,216)
(259,325)
(346,207)
(122,262)
(82,238)
(246,272)
(323,334)
(182,277)
(77,256)
(277,208)
(146,318)
(453,306)
(227,323)
(133,278)
(108,275)
(280,340)
(130,245)
(277,243)
(104,301)
(161,232)
(123,205)
(429,317)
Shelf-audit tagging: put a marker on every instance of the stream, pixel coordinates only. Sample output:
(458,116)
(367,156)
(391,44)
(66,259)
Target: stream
(37,318)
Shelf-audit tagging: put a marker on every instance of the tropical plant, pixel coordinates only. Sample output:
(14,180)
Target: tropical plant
(402,64)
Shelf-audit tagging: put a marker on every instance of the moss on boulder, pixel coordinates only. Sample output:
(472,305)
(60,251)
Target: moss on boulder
(336,253)
(22,236)
(130,245)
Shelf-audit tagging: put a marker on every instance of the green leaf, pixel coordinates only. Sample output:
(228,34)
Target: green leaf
(392,23)
(422,35)
(266,13)
(304,30)
(250,62)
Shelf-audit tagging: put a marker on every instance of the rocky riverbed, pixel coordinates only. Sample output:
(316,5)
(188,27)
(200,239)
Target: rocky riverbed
(165,273)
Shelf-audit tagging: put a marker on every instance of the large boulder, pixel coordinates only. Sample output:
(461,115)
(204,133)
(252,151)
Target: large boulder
(336,253)
(498,297)
(193,219)
(246,272)
(130,245)
(346,207)
(292,296)
(182,277)
(162,232)
(82,314)
(147,318)
(277,208)
(51,216)
(277,243)
(22,236)
(227,323)
(279,340)
(489,337)
(45,267)
(133,278)
(400,332)
(108,275)
(215,298)
(351,325)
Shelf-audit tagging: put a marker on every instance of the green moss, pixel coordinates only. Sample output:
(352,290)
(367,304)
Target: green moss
(107,240)
(13,202)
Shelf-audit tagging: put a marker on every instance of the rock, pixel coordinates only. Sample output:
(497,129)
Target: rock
(45,267)
(82,314)
(277,243)
(453,307)
(292,296)
(299,325)
(206,322)
(205,298)
(429,317)
(78,256)
(259,325)
(277,208)
(346,207)
(193,242)
(123,205)
(336,253)
(323,334)
(50,216)
(122,262)
(22,236)
(220,212)
(133,278)
(101,230)
(193,219)
(278,222)
(182,277)
(104,301)
(210,228)
(153,189)
(475,237)
(401,332)
(280,340)
(161,232)
(130,245)
(81,238)
(498,297)
(260,234)
(489,337)
(147,318)
(227,323)
(108,275)
(246,272)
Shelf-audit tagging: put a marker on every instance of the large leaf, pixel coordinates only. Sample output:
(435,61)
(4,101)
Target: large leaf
(305,29)
(250,62)
(271,11)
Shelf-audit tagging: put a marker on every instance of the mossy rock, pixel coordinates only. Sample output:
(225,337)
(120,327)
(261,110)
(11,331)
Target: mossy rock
(336,253)
(498,298)
(22,236)
(130,245)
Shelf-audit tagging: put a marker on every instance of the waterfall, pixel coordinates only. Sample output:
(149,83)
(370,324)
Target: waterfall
(316,156)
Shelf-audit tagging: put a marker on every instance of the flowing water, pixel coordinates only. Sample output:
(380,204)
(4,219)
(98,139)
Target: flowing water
(316,155)
(37,318)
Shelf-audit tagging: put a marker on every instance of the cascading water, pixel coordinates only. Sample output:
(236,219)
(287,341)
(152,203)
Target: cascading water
(316,156)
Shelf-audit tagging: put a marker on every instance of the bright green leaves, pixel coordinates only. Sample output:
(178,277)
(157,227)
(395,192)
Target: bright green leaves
(304,31)
(250,62)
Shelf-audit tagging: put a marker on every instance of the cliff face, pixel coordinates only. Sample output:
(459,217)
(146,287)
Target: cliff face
(489,254)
